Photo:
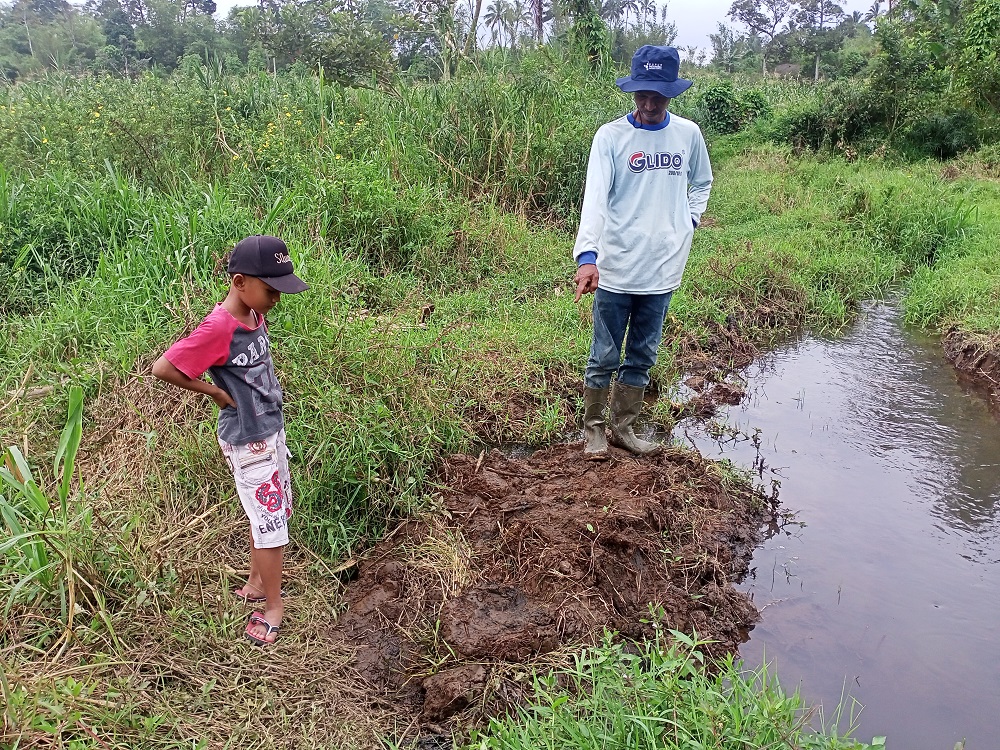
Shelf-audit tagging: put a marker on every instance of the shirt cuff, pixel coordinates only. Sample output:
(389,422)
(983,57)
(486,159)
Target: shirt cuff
(589,256)
(695,222)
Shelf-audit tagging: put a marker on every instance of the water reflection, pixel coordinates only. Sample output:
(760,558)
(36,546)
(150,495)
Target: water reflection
(890,585)
(911,411)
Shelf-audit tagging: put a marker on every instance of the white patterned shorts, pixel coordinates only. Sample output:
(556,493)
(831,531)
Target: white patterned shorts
(264,486)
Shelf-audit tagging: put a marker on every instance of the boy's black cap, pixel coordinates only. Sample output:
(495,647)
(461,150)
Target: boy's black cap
(266,258)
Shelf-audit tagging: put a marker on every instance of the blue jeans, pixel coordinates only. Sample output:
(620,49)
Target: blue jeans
(642,315)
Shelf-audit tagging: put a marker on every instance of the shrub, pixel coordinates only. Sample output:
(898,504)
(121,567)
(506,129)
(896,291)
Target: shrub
(722,108)
(943,134)
(841,114)
(801,125)
(755,106)
(726,110)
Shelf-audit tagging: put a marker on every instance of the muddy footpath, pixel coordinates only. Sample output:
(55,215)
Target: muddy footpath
(523,556)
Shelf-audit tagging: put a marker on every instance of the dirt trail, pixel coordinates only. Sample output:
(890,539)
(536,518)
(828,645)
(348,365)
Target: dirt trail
(526,555)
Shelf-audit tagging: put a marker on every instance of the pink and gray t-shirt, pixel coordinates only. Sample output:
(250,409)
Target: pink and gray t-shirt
(239,361)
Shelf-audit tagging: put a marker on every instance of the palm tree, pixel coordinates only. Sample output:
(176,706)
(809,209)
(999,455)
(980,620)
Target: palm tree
(609,10)
(538,17)
(647,8)
(518,16)
(629,5)
(495,18)
(470,38)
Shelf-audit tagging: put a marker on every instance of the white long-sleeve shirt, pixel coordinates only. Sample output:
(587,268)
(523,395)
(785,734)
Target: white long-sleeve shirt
(647,186)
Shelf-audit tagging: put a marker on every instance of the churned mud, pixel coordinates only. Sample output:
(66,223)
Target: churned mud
(523,556)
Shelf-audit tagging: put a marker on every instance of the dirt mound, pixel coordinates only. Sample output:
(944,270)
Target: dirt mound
(526,555)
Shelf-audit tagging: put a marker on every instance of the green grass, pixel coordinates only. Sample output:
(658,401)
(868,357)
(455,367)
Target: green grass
(658,696)
(962,289)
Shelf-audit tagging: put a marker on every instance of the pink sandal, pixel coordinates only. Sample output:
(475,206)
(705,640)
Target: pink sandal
(256,619)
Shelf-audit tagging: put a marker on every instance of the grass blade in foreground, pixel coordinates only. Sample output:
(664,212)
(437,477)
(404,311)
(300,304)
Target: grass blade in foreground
(661,697)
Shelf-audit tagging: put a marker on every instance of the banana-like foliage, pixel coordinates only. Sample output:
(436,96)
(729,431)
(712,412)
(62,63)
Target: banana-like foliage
(36,560)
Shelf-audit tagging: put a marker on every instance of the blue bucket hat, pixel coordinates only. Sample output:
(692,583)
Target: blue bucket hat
(655,69)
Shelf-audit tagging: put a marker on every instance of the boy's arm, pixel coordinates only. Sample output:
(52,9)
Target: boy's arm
(165,370)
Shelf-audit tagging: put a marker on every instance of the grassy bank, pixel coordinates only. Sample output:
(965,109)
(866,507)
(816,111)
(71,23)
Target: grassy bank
(660,697)
(435,227)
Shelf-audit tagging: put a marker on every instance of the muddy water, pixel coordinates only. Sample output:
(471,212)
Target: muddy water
(886,586)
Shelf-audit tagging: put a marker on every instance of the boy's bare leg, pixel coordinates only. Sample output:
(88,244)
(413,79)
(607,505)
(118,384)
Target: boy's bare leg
(268,563)
(254,585)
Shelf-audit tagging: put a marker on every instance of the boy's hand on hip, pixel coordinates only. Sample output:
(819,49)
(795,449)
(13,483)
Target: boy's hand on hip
(586,279)
(223,399)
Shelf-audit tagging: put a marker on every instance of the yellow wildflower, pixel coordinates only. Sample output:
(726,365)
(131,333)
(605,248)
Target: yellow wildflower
(337,156)
(45,140)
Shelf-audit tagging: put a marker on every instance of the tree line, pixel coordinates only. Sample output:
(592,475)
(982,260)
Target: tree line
(905,49)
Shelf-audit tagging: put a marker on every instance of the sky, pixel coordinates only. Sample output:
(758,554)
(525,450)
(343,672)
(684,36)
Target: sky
(695,19)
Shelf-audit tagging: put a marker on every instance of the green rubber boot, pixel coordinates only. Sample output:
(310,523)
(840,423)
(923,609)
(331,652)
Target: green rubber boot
(595,401)
(626,403)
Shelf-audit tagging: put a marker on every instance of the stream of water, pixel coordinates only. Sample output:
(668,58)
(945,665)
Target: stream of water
(884,591)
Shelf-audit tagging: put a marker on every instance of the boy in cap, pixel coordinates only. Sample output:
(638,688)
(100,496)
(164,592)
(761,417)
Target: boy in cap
(648,182)
(232,345)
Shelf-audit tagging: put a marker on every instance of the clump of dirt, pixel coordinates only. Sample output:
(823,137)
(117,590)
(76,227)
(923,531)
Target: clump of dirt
(526,555)
(978,360)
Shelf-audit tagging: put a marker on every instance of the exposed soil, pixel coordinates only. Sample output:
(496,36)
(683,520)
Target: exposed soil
(976,360)
(526,555)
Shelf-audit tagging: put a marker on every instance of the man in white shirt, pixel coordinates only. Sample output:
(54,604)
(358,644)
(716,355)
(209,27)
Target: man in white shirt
(648,182)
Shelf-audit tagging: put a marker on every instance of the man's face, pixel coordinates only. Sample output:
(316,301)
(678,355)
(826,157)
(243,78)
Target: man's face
(651,107)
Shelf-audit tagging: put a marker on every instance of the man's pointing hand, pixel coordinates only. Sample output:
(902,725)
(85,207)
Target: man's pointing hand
(586,279)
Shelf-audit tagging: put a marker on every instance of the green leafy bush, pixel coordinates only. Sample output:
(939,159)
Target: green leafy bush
(801,124)
(755,105)
(943,134)
(840,114)
(722,107)
(725,109)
